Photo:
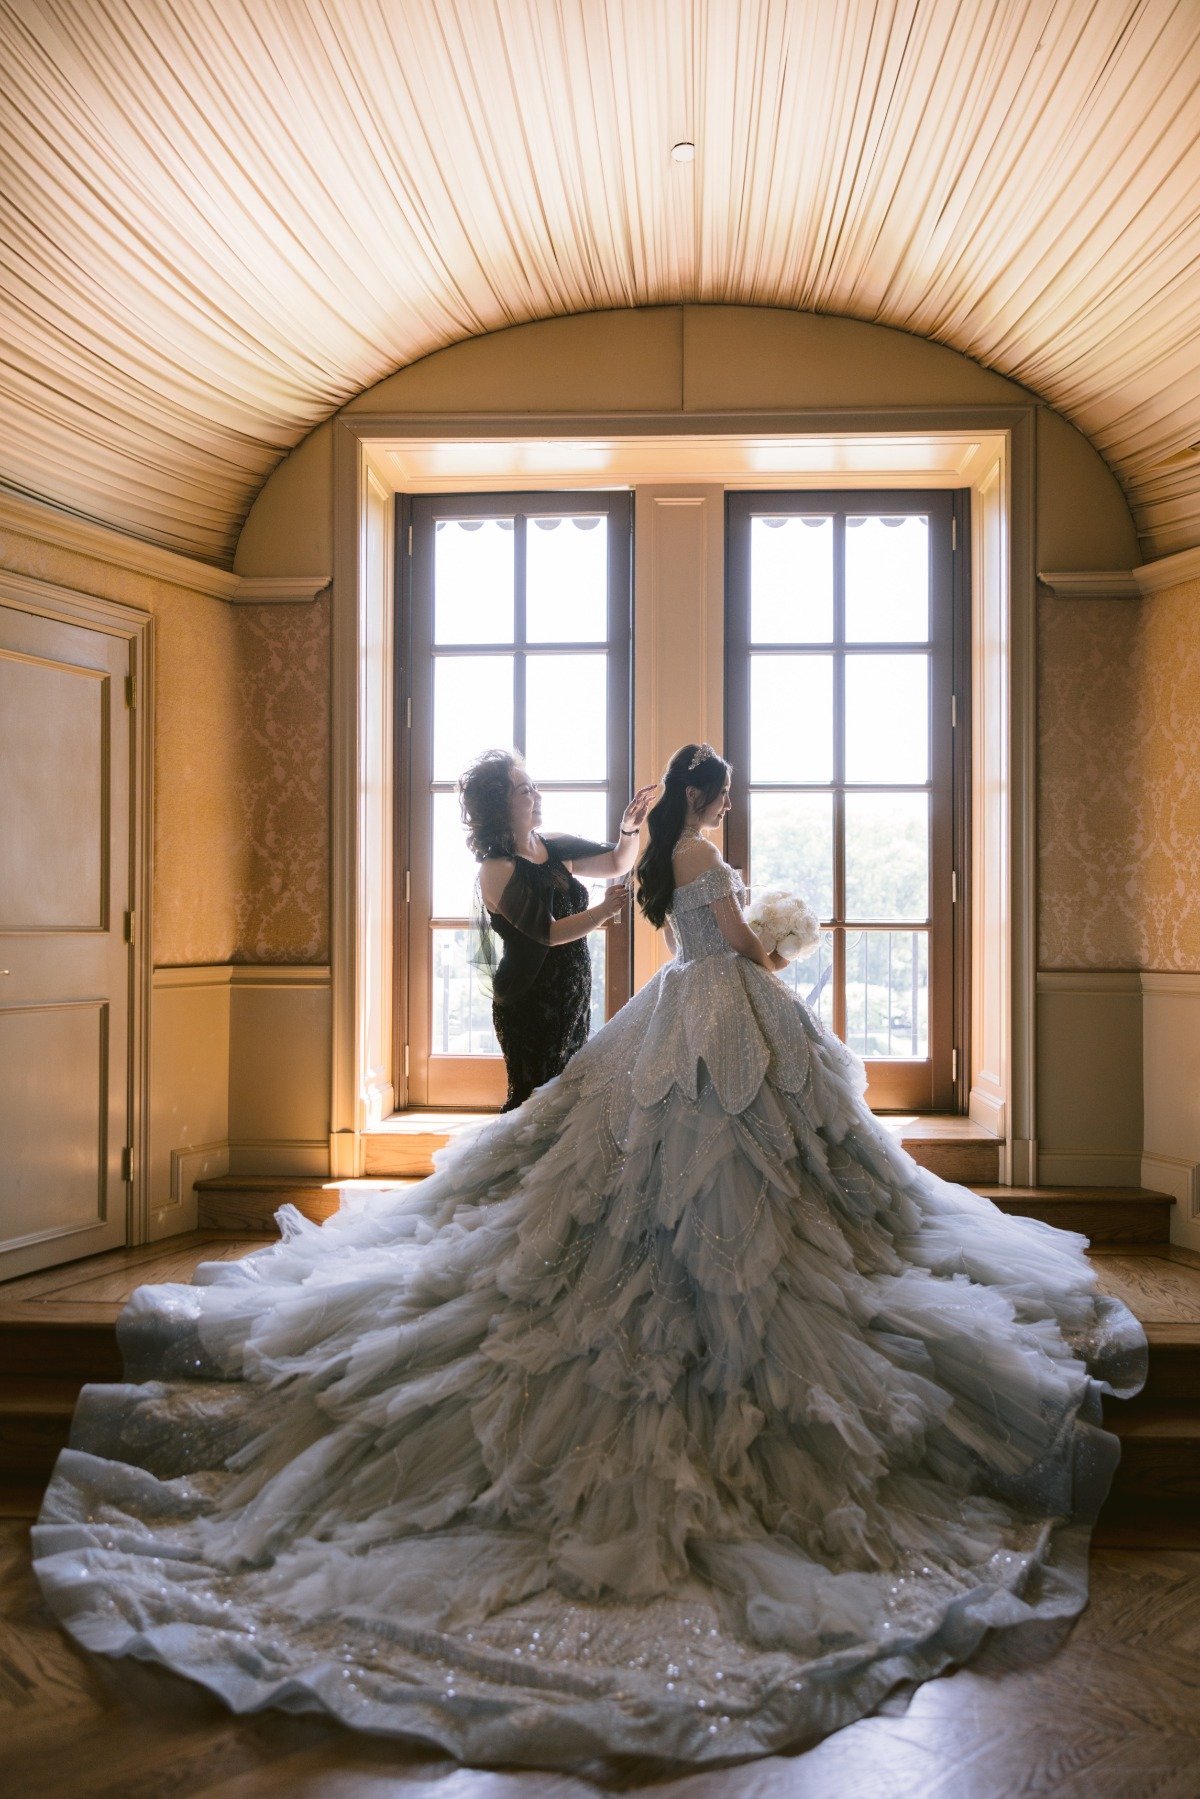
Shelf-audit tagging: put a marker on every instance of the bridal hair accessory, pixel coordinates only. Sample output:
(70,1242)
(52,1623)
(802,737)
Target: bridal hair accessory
(704,753)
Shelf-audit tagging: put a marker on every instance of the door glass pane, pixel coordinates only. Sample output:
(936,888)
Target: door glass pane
(887,856)
(887,579)
(887,994)
(566,733)
(791,718)
(473,580)
(791,580)
(791,846)
(810,978)
(455,869)
(887,718)
(566,580)
(472,710)
(462,1013)
(580,814)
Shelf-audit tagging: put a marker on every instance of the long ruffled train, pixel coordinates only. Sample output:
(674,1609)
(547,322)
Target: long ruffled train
(678,1413)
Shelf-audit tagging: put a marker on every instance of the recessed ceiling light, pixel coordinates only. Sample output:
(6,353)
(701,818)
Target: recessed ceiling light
(683,152)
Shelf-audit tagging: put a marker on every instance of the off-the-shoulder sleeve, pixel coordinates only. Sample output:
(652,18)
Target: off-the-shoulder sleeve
(526,905)
(715,884)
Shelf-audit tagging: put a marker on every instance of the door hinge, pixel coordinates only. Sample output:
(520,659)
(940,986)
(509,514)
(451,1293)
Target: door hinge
(407,886)
(127,1164)
(953,1064)
(131,691)
(954,712)
(953,534)
(410,540)
(406,1061)
(130,927)
(954,886)
(408,712)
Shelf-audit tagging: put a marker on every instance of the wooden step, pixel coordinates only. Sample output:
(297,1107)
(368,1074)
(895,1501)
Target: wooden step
(405,1143)
(948,1145)
(1108,1216)
(35,1421)
(57,1348)
(249,1202)
(1160,1454)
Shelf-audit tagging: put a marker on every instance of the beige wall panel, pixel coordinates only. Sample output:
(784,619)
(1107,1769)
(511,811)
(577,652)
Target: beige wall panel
(196,802)
(54,1169)
(1089,1079)
(189,1088)
(54,726)
(289,529)
(1171,1097)
(279,1071)
(678,676)
(1166,850)
(1083,520)
(626,361)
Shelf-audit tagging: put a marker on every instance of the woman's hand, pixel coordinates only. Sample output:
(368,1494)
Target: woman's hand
(778,962)
(639,805)
(611,903)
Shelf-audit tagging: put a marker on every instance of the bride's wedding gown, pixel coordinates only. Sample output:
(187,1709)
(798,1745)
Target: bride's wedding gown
(678,1413)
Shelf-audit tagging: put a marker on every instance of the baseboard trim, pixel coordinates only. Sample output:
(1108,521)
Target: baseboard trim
(1088,1168)
(279,1155)
(244,974)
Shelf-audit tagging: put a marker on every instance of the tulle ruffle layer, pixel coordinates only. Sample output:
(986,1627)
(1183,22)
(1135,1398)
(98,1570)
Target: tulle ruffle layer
(680,1416)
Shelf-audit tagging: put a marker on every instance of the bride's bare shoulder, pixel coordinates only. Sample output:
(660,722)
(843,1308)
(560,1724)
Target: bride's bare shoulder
(694,857)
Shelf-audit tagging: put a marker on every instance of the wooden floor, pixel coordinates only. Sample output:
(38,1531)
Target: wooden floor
(1114,1714)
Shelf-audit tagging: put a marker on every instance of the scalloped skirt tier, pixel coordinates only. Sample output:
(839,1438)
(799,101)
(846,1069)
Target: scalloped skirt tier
(678,1414)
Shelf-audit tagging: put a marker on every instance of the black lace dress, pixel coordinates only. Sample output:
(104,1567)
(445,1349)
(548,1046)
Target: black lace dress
(542,993)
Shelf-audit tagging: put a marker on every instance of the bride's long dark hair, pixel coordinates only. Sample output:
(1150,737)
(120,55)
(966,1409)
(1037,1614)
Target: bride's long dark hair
(666,819)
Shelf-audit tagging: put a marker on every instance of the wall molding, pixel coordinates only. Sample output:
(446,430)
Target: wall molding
(243,974)
(1089,1168)
(278,590)
(85,537)
(1168,571)
(1089,980)
(1181,982)
(1098,584)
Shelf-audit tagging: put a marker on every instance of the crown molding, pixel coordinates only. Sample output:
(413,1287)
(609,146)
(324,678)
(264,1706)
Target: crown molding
(1092,584)
(278,590)
(67,531)
(1168,571)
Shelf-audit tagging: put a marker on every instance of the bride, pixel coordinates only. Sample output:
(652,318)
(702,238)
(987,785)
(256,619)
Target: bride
(679,1413)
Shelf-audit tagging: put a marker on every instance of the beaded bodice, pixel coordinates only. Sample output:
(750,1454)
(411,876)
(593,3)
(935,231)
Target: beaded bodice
(696,930)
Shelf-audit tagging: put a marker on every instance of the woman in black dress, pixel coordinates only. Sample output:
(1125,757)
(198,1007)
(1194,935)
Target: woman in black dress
(532,901)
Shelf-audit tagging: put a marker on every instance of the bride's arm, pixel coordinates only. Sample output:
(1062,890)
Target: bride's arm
(737,933)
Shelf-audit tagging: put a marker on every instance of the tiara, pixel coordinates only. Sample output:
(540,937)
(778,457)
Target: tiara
(704,753)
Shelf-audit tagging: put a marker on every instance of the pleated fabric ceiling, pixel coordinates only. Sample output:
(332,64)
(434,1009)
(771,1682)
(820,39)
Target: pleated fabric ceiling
(223,218)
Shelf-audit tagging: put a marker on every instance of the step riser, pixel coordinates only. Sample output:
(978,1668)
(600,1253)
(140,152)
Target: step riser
(1165,1472)
(969,1164)
(29,1448)
(250,1212)
(1104,1222)
(70,1352)
(408,1158)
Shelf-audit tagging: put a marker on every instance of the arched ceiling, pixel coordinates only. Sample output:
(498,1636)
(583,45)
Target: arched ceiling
(223,218)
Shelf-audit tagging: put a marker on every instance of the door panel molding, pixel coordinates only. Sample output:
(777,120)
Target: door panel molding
(135,627)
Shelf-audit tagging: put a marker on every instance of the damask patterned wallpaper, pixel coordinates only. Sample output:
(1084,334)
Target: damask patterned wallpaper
(1119,782)
(282,803)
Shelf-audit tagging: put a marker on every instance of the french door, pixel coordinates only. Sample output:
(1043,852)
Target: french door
(845,706)
(516,631)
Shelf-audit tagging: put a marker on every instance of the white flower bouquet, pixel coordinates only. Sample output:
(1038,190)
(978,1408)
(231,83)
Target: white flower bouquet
(784,923)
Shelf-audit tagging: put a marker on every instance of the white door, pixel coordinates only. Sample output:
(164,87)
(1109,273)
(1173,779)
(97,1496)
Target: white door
(65,993)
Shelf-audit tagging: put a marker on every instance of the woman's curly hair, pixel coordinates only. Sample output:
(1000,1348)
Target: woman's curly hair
(485,801)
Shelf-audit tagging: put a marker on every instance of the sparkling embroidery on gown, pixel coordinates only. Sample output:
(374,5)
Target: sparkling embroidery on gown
(679,1413)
